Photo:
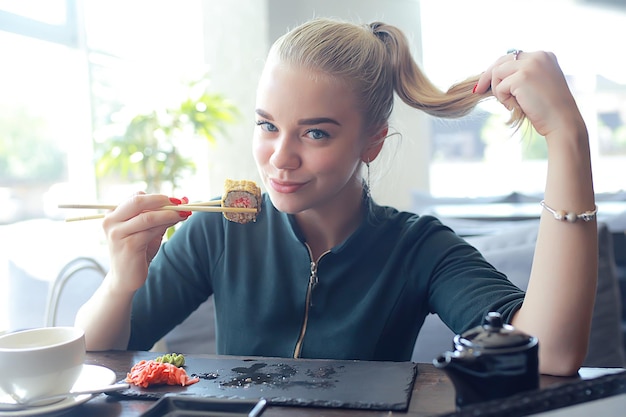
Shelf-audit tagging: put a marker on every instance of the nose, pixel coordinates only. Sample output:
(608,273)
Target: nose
(285,154)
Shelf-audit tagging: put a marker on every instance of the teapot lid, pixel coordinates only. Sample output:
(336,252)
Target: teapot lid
(494,334)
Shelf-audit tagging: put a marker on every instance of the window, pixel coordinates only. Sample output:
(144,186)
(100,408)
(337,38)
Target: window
(44,108)
(69,77)
(477,156)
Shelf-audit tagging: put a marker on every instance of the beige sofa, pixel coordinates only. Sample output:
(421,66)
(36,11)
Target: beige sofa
(511,252)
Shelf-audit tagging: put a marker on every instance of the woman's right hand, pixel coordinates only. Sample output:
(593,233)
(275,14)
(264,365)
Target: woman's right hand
(134,232)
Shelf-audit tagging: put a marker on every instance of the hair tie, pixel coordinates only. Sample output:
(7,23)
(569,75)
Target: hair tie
(374,26)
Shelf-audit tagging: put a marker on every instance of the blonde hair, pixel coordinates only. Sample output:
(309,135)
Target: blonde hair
(375,60)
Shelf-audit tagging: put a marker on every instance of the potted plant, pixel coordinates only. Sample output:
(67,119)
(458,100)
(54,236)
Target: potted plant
(149,149)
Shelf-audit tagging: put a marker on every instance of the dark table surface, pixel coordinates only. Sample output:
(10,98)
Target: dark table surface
(433,393)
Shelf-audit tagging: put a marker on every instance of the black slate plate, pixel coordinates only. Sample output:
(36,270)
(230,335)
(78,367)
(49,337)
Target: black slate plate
(296,382)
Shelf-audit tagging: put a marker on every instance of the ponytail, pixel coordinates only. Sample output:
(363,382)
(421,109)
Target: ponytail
(375,60)
(414,88)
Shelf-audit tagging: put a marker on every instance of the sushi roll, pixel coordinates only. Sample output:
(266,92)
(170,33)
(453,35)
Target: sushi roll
(241,193)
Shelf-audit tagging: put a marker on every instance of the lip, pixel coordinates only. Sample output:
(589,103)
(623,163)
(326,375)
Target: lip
(285,187)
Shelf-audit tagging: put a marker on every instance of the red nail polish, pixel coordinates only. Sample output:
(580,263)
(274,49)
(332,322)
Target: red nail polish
(175,200)
(185,200)
(184,214)
(475,87)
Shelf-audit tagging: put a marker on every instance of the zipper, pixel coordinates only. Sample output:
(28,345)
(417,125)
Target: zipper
(313,280)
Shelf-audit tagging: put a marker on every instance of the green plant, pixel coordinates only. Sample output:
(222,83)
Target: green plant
(29,150)
(149,149)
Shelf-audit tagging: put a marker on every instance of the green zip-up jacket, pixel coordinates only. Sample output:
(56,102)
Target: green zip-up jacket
(365,299)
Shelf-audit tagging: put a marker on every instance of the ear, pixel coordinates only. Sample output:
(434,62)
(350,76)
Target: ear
(375,144)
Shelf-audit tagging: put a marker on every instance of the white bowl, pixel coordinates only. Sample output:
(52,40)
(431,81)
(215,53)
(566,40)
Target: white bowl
(43,361)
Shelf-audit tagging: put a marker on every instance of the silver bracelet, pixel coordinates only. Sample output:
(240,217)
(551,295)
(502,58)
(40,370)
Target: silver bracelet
(570,216)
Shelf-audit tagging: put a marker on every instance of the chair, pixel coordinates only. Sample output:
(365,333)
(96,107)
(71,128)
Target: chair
(69,271)
(75,283)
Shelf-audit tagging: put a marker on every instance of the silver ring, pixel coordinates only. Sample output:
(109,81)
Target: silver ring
(515,53)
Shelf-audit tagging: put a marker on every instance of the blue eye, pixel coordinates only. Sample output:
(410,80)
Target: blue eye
(317,134)
(267,126)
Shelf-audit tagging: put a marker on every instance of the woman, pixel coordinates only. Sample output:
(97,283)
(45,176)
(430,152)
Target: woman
(325,272)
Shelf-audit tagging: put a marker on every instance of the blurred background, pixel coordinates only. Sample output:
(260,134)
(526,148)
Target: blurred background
(100,98)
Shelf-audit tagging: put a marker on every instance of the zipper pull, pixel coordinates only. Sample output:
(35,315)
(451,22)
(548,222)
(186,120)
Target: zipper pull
(313,280)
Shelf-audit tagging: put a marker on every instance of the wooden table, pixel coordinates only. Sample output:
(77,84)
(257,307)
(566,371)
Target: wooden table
(433,394)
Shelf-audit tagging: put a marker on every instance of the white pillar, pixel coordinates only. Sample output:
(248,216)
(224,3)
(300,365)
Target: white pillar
(236,43)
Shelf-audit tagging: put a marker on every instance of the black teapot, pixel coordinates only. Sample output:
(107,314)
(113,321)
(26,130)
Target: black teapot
(491,361)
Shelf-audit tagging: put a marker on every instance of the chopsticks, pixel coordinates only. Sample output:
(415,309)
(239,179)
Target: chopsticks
(206,206)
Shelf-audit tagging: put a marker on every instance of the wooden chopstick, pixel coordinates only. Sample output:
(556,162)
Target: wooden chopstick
(89,206)
(210,207)
(180,207)
(206,203)
(92,217)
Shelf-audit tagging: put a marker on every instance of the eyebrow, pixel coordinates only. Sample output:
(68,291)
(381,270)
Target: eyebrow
(308,122)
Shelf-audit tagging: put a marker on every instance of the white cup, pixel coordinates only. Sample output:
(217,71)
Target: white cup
(42,361)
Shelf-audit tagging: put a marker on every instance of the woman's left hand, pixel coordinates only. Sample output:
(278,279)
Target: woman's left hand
(535,83)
